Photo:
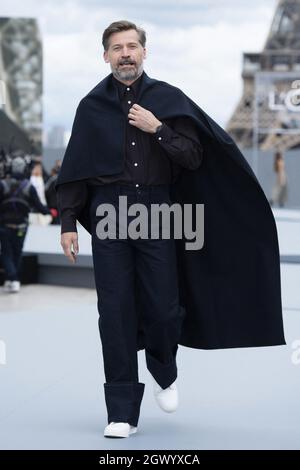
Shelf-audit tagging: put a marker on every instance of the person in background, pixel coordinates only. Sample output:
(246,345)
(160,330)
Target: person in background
(279,191)
(50,192)
(37,180)
(17,197)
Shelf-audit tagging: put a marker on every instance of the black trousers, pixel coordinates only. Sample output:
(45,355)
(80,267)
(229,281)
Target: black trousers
(118,265)
(11,246)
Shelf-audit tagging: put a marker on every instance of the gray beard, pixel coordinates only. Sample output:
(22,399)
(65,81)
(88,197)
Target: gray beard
(126,75)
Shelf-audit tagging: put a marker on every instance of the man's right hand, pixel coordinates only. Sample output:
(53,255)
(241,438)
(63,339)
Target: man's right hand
(69,242)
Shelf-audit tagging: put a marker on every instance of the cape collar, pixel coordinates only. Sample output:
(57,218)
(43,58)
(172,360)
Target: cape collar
(107,90)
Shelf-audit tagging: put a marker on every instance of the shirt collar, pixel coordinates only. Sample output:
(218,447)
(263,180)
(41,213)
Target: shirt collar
(122,87)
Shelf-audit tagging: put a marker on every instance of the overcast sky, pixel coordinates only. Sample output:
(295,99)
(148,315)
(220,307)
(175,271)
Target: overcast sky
(193,44)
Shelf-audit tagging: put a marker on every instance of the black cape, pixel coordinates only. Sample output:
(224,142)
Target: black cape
(230,290)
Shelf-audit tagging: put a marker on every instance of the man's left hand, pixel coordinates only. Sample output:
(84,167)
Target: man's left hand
(143,119)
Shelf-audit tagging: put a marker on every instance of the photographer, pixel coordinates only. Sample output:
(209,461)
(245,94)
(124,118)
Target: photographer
(17,197)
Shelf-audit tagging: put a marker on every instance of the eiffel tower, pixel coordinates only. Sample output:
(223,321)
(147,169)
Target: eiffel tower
(281,53)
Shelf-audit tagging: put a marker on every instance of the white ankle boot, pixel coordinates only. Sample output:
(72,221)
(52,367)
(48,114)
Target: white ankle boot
(167,398)
(119,429)
(15,286)
(7,286)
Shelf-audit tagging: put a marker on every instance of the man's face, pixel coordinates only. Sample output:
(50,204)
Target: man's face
(125,55)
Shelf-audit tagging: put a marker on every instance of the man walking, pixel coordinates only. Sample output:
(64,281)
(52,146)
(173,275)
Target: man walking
(144,140)
(155,152)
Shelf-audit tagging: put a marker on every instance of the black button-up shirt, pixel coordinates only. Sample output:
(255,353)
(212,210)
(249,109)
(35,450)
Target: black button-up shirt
(150,158)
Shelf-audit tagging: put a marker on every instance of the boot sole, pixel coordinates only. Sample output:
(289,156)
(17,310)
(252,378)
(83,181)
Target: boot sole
(114,435)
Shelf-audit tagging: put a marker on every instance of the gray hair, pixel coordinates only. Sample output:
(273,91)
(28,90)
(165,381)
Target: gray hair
(122,25)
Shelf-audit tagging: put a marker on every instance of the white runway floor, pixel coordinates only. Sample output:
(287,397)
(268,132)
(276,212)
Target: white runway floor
(51,381)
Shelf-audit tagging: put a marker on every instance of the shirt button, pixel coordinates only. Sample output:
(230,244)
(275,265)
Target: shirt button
(135,164)
(127,88)
(132,143)
(137,185)
(159,138)
(129,102)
